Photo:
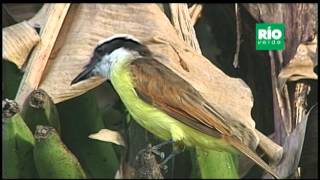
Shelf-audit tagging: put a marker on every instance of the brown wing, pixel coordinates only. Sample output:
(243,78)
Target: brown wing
(159,86)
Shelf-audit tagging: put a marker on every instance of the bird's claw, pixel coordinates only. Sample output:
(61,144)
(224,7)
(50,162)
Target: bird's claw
(158,153)
(164,168)
(155,149)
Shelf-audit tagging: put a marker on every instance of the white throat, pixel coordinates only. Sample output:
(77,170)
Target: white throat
(117,57)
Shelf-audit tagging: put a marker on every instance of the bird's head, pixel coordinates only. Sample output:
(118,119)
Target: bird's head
(108,51)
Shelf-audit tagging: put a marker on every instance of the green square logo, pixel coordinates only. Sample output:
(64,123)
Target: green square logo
(269,36)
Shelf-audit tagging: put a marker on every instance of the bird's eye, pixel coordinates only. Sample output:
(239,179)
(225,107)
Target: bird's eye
(144,52)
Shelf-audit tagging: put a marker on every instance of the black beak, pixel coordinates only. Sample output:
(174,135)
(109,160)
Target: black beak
(86,74)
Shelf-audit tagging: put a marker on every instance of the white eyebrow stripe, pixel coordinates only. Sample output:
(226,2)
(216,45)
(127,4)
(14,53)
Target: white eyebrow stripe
(125,36)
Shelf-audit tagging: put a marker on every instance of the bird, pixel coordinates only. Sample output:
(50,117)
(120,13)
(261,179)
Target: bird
(164,103)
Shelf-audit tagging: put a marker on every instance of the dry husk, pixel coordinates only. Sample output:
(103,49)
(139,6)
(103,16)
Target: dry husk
(18,40)
(301,66)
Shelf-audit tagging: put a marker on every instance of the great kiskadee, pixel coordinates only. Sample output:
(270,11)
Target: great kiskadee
(164,103)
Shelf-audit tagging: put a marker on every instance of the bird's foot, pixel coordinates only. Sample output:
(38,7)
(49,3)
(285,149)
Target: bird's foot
(155,149)
(150,151)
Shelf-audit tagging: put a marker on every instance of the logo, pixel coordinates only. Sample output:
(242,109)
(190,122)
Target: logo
(269,36)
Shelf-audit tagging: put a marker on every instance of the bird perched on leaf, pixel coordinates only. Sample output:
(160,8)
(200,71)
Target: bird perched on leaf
(164,103)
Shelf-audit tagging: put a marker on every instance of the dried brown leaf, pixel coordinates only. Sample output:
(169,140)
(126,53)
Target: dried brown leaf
(18,41)
(300,67)
(108,135)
